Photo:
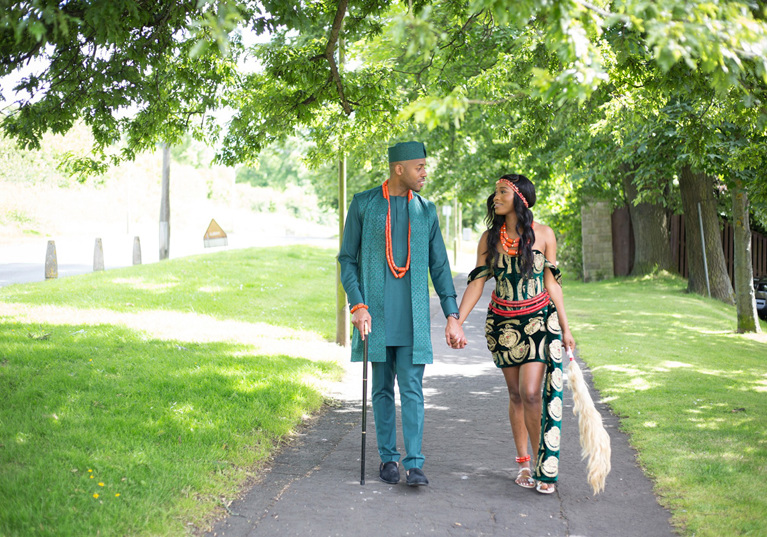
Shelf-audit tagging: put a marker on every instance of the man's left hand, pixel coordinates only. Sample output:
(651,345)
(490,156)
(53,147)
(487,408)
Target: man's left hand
(454,334)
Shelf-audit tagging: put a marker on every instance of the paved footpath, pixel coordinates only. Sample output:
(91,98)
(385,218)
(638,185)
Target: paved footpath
(313,486)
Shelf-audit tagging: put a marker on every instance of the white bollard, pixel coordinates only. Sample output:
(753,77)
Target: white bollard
(51,264)
(98,256)
(136,251)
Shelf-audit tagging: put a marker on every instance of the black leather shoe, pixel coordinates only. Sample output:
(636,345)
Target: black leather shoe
(389,472)
(416,477)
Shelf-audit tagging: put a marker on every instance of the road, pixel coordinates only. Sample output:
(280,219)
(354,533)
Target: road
(23,260)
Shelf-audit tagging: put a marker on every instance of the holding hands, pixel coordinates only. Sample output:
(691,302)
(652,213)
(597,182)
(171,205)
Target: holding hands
(454,334)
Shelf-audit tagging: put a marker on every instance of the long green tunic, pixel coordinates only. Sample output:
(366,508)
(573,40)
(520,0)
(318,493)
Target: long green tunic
(399,307)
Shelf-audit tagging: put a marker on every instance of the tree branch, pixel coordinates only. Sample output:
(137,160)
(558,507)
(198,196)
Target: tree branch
(330,49)
(497,101)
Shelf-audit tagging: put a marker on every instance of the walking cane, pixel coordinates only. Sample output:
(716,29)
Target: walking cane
(364,406)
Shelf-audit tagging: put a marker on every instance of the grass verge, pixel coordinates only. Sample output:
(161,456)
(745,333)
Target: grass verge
(132,401)
(690,392)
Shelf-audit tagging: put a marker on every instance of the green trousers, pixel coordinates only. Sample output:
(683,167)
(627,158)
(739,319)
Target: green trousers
(399,365)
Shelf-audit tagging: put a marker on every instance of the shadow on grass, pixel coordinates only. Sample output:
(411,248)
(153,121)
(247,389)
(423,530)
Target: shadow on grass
(105,430)
(253,285)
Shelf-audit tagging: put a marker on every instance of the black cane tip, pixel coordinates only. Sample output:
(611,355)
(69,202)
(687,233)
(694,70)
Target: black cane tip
(362,481)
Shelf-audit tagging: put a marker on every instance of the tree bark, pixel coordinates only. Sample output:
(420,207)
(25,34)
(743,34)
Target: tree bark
(744,271)
(697,194)
(342,310)
(649,221)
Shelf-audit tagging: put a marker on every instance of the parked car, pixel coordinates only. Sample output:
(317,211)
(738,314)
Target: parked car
(760,290)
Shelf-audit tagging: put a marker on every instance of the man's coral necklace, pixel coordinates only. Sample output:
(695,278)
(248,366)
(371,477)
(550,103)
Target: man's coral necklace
(398,272)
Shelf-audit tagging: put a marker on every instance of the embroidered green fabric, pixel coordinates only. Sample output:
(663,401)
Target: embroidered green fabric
(536,337)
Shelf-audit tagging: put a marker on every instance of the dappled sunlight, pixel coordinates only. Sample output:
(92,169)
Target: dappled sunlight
(757,386)
(716,372)
(190,419)
(708,423)
(139,283)
(713,332)
(264,339)
(211,289)
(670,364)
(625,369)
(640,384)
(758,338)
(453,369)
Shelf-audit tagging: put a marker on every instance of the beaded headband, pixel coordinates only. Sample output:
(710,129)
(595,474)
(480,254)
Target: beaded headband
(514,188)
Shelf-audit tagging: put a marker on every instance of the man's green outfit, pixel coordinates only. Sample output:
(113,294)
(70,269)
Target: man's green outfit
(399,343)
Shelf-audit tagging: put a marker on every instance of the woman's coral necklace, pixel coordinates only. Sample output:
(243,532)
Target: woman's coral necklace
(398,272)
(509,246)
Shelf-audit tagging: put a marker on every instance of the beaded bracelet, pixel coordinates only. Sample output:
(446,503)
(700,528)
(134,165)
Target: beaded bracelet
(359,306)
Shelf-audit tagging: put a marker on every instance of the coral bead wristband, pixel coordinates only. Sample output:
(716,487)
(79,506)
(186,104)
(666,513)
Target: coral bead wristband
(359,307)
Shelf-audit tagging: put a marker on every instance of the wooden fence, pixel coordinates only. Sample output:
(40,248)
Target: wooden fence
(623,246)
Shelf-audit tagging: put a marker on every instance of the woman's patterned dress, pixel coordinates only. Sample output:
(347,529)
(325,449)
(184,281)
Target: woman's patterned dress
(523,326)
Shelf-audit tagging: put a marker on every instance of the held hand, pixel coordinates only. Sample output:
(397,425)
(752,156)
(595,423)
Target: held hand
(454,334)
(362,321)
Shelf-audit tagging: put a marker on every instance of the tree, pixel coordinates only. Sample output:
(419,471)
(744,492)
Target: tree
(744,275)
(132,71)
(528,84)
(705,257)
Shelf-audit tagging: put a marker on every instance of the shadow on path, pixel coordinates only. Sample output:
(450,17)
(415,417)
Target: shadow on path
(313,486)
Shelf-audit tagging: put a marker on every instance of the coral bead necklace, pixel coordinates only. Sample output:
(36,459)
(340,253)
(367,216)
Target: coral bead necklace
(510,246)
(398,272)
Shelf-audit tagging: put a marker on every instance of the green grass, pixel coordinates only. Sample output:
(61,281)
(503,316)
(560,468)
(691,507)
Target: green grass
(253,285)
(153,380)
(111,430)
(690,392)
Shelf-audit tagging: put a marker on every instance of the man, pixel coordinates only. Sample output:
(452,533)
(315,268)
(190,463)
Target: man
(391,242)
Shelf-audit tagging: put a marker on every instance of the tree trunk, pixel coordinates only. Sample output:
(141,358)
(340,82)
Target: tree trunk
(699,206)
(342,310)
(744,271)
(343,319)
(652,249)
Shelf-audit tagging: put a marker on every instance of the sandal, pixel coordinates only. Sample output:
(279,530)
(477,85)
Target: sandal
(525,475)
(551,488)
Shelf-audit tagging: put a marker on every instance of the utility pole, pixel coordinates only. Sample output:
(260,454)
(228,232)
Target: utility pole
(165,204)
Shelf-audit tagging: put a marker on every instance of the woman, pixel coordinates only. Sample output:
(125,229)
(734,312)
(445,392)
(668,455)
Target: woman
(526,324)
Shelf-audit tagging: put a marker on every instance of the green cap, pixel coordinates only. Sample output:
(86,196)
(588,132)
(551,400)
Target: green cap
(407,151)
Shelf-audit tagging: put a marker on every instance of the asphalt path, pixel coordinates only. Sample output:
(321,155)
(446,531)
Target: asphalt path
(313,485)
